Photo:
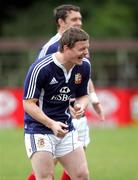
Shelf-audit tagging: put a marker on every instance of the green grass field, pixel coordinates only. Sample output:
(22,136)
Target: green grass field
(112,155)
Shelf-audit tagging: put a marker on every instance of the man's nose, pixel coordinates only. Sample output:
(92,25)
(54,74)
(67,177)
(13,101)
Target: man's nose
(79,22)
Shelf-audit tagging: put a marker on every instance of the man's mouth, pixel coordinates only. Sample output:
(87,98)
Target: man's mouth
(81,57)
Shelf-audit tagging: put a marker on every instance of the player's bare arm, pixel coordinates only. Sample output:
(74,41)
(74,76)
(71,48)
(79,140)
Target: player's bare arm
(59,128)
(95,101)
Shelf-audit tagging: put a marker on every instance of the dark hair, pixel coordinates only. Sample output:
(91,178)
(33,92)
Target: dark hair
(71,36)
(61,12)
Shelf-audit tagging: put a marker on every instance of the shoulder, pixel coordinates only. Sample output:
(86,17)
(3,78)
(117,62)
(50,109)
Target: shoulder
(52,41)
(42,63)
(50,47)
(86,62)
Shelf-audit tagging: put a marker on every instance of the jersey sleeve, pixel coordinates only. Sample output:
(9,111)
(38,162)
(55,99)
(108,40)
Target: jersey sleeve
(82,89)
(33,83)
(48,49)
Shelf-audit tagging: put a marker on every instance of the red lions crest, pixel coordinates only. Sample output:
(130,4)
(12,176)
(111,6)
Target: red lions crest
(41,143)
(78,78)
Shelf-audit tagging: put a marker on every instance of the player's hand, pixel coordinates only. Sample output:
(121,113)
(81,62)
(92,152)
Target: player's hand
(78,111)
(60,129)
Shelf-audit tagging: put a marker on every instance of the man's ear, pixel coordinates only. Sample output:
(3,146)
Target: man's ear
(65,47)
(61,22)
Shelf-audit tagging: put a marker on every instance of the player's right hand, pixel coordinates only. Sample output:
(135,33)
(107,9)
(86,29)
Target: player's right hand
(60,129)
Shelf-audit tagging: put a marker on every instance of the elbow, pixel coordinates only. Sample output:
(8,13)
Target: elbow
(24,104)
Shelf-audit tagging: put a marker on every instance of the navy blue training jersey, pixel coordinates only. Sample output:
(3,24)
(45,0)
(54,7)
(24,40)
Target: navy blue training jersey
(48,81)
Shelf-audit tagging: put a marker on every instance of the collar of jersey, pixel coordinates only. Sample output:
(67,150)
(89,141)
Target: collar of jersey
(58,63)
(58,35)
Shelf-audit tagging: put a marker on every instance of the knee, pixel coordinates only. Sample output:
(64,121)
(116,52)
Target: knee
(44,175)
(84,174)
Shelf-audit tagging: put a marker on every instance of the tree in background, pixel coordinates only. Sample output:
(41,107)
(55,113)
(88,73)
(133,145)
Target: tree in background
(111,20)
(102,18)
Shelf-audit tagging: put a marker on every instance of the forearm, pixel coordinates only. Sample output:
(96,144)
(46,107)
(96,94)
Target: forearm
(95,101)
(33,110)
(98,108)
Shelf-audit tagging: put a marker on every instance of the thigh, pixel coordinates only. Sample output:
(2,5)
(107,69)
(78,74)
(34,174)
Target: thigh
(75,162)
(40,149)
(42,164)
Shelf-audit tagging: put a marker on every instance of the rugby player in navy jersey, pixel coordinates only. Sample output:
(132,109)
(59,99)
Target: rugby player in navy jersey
(69,16)
(49,84)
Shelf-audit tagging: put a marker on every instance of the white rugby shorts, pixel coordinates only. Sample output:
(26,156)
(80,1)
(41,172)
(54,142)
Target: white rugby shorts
(81,126)
(51,143)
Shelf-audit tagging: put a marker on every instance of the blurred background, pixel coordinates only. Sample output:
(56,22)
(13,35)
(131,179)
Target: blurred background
(113,28)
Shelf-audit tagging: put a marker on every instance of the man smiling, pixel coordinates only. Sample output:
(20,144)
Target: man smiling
(49,131)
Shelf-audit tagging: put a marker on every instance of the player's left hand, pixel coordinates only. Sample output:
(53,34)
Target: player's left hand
(77,111)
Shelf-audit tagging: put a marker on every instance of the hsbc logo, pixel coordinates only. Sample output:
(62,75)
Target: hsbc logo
(63,96)
(64,90)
